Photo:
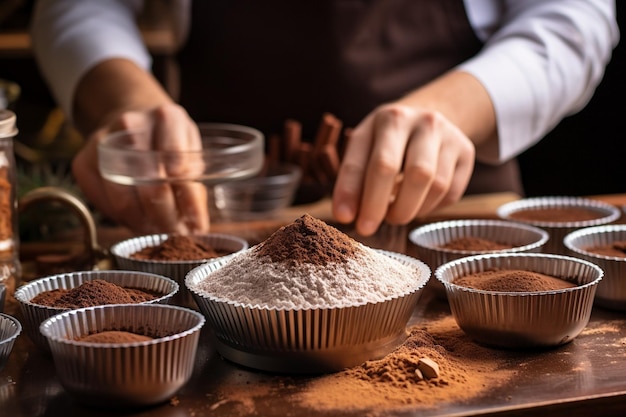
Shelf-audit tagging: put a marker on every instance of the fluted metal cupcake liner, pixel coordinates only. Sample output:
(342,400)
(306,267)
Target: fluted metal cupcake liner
(34,314)
(314,340)
(611,291)
(10,329)
(129,373)
(122,253)
(430,238)
(522,319)
(607,213)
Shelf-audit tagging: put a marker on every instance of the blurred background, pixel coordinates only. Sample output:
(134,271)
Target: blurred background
(584,155)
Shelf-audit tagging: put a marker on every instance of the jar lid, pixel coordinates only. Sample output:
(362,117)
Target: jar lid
(7,124)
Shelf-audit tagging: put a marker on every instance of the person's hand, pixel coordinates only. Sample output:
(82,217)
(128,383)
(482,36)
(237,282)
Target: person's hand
(163,208)
(401,162)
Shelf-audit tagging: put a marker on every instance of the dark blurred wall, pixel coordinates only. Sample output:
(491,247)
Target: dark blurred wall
(586,153)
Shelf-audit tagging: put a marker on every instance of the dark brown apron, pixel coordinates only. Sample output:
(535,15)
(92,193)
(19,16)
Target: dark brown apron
(259,63)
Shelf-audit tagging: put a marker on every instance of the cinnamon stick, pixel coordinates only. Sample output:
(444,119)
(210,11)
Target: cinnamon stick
(292,138)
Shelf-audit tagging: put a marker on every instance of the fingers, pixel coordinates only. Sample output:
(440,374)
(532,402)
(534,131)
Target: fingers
(431,158)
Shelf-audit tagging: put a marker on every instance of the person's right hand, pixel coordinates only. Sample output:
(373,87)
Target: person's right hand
(168,207)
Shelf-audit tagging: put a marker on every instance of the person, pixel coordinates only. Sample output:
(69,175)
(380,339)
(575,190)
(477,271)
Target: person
(441,95)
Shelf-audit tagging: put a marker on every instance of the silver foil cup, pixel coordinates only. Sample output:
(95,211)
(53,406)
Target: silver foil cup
(429,239)
(122,254)
(611,291)
(125,374)
(607,213)
(10,329)
(34,314)
(307,341)
(522,319)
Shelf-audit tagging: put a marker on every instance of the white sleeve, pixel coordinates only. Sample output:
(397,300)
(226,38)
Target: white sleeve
(71,36)
(543,63)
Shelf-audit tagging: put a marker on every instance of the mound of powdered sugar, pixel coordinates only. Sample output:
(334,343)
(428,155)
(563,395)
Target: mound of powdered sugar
(309,264)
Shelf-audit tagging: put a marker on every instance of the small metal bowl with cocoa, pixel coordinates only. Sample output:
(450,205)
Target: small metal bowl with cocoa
(520,300)
(173,255)
(604,246)
(441,242)
(48,296)
(124,355)
(559,215)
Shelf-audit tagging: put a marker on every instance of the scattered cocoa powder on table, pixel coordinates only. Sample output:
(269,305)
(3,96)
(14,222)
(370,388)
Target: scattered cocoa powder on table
(179,248)
(92,293)
(380,387)
(472,243)
(512,280)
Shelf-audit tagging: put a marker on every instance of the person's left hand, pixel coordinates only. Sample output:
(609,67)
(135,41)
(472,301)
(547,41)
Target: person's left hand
(401,162)
(169,207)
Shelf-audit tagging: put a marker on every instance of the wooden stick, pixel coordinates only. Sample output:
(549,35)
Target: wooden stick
(273,151)
(329,161)
(328,132)
(293,137)
(304,158)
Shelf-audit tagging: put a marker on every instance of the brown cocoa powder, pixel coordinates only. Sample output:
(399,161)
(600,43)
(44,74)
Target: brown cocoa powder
(472,243)
(92,293)
(386,386)
(557,214)
(616,249)
(179,248)
(114,336)
(513,280)
(307,240)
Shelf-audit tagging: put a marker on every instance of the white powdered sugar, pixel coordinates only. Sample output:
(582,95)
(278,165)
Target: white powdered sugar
(366,277)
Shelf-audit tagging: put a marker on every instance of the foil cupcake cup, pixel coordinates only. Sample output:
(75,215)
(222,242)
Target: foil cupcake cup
(312,340)
(34,314)
(429,239)
(122,254)
(125,374)
(522,319)
(611,291)
(10,329)
(557,230)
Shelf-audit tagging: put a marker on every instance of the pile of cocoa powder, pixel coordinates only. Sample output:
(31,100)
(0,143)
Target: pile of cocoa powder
(179,248)
(92,293)
(309,240)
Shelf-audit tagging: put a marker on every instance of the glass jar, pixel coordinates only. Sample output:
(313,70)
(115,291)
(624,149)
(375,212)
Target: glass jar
(10,269)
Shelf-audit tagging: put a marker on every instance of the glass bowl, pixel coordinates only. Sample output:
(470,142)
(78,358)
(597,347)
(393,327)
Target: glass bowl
(228,152)
(259,197)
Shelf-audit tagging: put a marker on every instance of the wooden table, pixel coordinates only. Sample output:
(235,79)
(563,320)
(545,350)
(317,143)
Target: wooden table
(584,377)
